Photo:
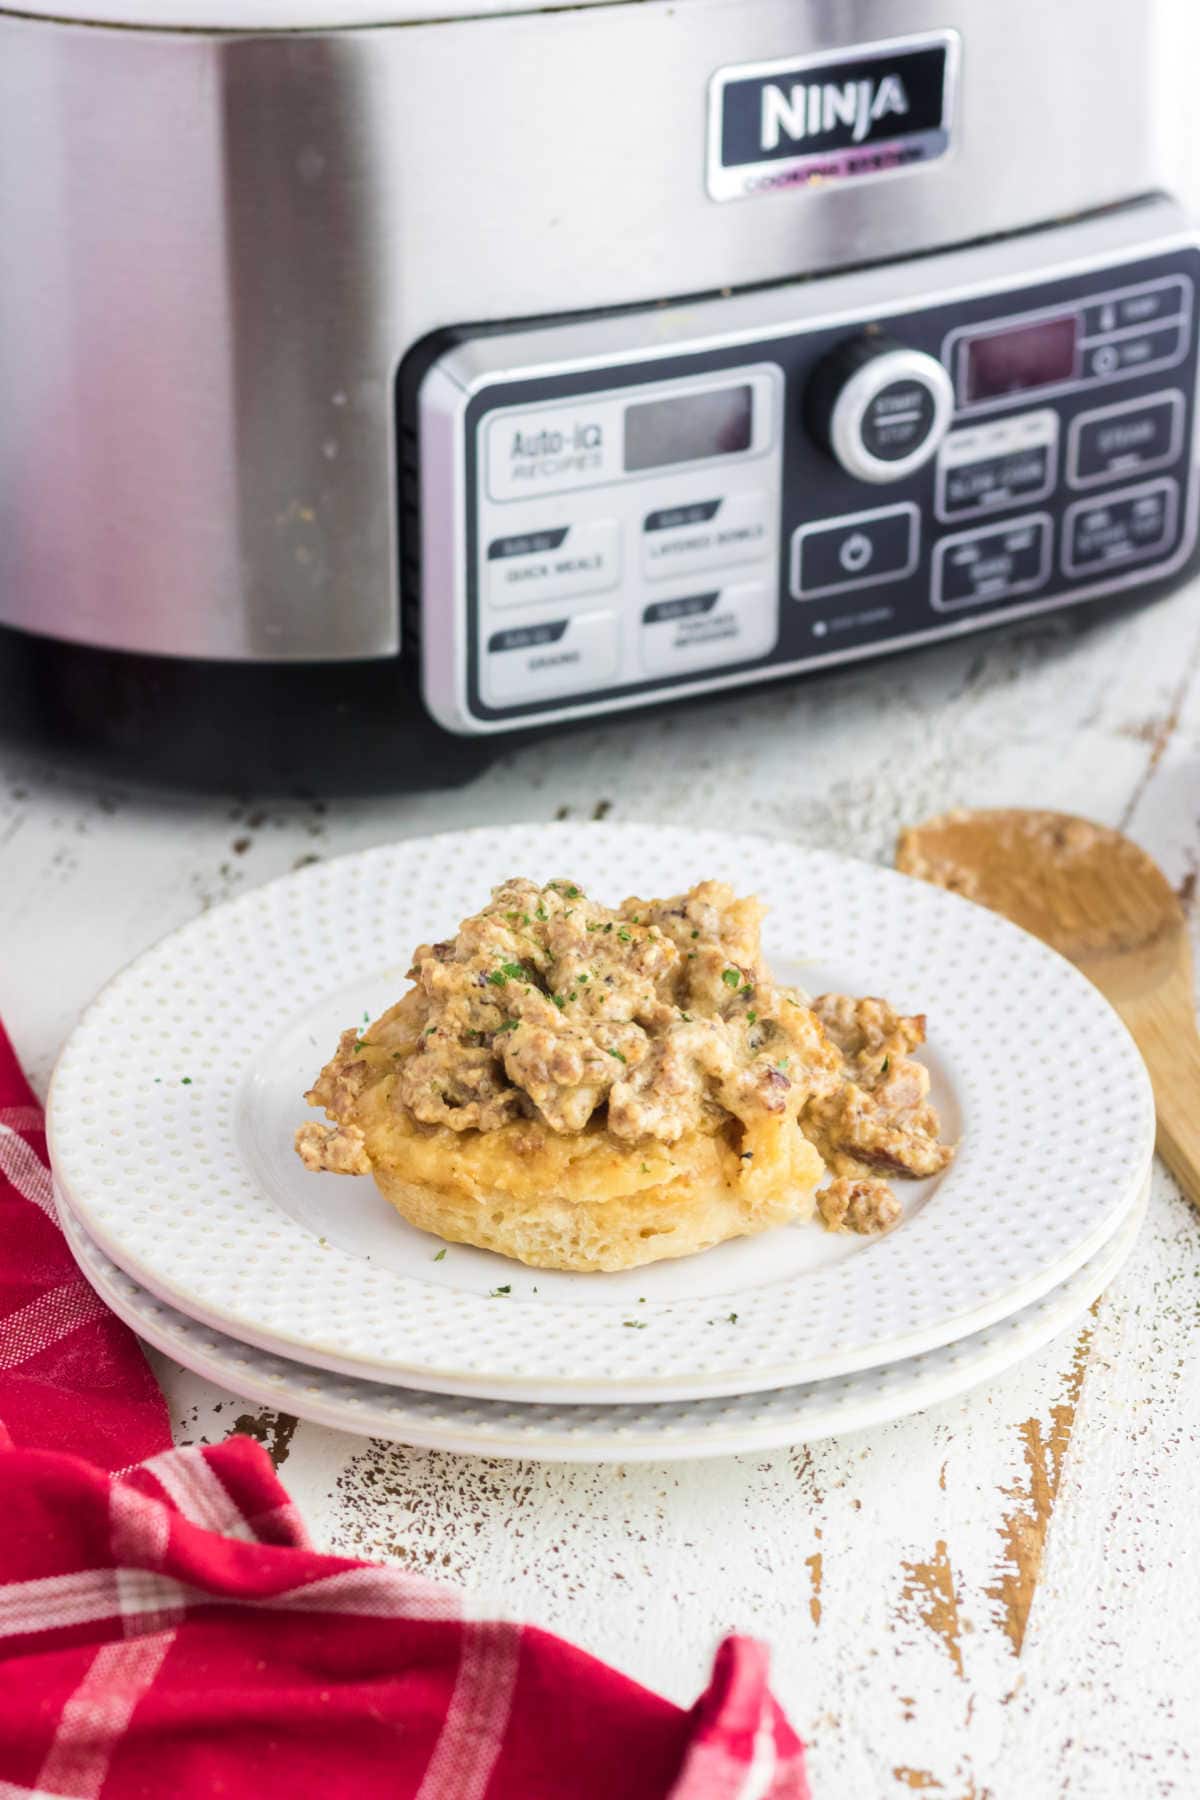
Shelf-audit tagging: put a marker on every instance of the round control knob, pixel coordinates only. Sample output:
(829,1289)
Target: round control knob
(879,408)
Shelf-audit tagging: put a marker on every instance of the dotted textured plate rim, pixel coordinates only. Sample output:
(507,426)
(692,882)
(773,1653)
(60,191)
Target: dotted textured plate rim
(1059,1126)
(656,1431)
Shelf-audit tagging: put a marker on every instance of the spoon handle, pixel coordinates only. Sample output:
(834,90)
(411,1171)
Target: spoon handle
(1167,1039)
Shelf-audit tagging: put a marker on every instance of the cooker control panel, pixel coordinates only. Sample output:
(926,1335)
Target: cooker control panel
(613,511)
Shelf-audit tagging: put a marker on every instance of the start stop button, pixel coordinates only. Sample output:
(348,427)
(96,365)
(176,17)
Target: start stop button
(879,408)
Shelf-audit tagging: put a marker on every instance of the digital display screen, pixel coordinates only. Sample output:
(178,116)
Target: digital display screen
(688,427)
(1013,362)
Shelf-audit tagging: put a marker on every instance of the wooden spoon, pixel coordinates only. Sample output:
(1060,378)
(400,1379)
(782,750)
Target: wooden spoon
(1101,901)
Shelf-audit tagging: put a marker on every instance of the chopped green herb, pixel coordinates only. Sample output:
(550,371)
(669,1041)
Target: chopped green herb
(617,1054)
(429,1030)
(751,1018)
(695,934)
(733,1318)
(645,1168)
(634,1324)
(542,913)
(686,1016)
(496,1292)
(497,978)
(440,1254)
(510,915)
(626,937)
(186,1081)
(366,1018)
(558,1001)
(691,956)
(525,919)
(732,977)
(513,970)
(608,927)
(582,978)
(508,1025)
(885,1065)
(636,919)
(572,893)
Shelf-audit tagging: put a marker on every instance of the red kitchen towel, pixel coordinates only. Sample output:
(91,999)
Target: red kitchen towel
(166,1628)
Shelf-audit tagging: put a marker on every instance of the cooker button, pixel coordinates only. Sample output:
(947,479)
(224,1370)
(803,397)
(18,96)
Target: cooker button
(880,408)
(704,534)
(1125,440)
(1120,528)
(553,564)
(1125,356)
(1162,300)
(854,552)
(995,563)
(1008,462)
(550,657)
(695,631)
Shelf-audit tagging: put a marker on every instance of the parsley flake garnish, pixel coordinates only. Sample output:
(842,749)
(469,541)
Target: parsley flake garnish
(496,1292)
(634,1324)
(186,1081)
(751,1018)
(884,1065)
(645,1168)
(572,893)
(733,1318)
(626,937)
(558,1001)
(440,1254)
(542,913)
(497,978)
(695,934)
(731,977)
(617,1054)
(508,1025)
(686,1016)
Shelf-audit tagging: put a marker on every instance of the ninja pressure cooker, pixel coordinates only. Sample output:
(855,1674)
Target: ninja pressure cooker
(385,380)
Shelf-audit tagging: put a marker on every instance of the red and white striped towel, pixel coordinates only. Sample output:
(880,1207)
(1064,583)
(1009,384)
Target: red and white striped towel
(166,1628)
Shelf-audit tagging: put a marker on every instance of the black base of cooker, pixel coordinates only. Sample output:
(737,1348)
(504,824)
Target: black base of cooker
(230,727)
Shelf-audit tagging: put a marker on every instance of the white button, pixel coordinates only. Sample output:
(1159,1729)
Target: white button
(704,534)
(695,631)
(553,564)
(554,449)
(549,657)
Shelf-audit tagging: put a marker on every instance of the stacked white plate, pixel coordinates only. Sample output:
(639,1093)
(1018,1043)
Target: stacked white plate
(174,1105)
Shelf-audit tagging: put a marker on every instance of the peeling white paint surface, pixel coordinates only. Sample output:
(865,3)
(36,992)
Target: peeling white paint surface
(997,1598)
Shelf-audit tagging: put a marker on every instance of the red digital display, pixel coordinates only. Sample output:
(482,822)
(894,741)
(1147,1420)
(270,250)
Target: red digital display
(1020,359)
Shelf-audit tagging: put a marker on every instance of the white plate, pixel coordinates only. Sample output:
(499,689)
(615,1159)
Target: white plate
(656,1432)
(173,1105)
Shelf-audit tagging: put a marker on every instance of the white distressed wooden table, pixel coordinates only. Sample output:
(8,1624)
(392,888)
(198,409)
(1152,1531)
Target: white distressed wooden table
(999,1597)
